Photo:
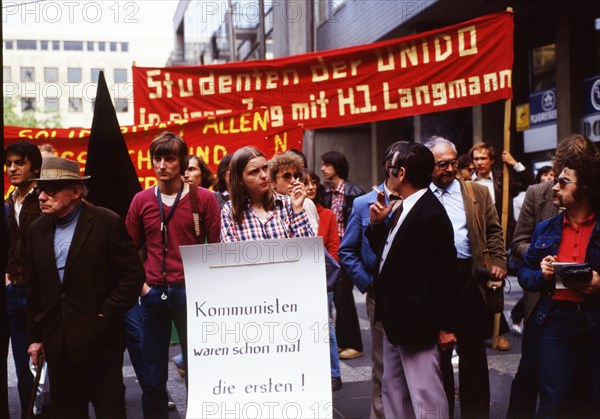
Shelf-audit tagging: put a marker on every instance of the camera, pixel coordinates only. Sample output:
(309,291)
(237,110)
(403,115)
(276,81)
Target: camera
(495,295)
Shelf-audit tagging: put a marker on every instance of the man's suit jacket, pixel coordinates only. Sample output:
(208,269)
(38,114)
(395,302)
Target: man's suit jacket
(492,230)
(103,275)
(538,206)
(415,290)
(356,256)
(523,177)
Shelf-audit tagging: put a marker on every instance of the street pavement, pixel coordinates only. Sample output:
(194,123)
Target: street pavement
(354,399)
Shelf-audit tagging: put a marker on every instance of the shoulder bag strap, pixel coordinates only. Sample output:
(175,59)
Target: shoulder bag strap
(194,203)
(486,252)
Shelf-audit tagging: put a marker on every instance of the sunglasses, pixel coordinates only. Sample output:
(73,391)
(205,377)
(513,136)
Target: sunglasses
(288,176)
(51,189)
(563,182)
(445,164)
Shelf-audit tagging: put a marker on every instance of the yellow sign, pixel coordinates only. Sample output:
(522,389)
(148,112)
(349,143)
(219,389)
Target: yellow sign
(522,117)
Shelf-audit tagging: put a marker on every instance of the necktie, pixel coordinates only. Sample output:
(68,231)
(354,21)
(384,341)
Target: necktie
(396,216)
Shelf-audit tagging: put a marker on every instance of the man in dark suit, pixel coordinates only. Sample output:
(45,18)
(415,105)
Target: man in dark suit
(476,230)
(360,263)
(415,285)
(85,273)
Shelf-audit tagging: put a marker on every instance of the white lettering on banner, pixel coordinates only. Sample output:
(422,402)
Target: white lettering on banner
(415,53)
(438,94)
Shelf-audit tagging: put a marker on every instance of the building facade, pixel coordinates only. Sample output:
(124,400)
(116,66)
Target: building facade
(58,74)
(556,73)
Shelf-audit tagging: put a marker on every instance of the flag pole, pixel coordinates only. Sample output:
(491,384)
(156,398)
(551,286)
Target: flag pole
(505,196)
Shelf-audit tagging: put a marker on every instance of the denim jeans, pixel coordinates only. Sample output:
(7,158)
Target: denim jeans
(17,327)
(157,317)
(133,340)
(569,349)
(333,347)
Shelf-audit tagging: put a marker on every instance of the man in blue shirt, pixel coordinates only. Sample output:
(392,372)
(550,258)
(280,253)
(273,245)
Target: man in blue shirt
(359,261)
(476,230)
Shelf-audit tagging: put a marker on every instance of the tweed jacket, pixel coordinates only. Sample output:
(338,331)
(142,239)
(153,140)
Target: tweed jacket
(492,230)
(537,206)
(103,275)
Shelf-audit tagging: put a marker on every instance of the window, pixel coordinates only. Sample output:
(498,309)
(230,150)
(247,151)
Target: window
(56,45)
(124,46)
(90,45)
(44,45)
(6,74)
(74,75)
(75,104)
(543,65)
(96,74)
(51,74)
(28,104)
(101,46)
(113,46)
(121,105)
(120,75)
(8,44)
(73,45)
(27,74)
(26,44)
(51,104)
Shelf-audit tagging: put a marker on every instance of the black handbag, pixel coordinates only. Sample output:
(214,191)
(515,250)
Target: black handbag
(576,272)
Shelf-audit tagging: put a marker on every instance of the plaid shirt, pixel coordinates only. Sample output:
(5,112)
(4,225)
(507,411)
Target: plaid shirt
(281,223)
(337,206)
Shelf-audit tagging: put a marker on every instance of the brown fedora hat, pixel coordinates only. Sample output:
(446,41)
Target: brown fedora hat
(58,168)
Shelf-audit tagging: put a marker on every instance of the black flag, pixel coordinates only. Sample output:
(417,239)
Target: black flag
(113,181)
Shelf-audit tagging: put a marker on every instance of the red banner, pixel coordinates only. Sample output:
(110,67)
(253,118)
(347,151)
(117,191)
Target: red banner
(457,66)
(210,138)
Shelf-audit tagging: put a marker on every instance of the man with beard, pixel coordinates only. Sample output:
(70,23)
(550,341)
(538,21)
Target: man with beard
(567,319)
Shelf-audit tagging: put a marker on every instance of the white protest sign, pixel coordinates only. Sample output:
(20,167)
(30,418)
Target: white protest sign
(258,330)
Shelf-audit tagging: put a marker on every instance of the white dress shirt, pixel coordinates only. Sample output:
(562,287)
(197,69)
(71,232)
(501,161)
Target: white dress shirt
(408,203)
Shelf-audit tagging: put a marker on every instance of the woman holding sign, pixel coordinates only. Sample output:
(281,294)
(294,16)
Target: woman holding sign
(255,211)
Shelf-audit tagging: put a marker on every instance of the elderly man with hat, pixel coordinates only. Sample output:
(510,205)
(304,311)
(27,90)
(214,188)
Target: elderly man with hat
(85,273)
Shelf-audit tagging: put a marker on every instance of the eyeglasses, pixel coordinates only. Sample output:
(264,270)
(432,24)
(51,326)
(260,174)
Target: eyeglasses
(51,189)
(445,164)
(288,176)
(563,182)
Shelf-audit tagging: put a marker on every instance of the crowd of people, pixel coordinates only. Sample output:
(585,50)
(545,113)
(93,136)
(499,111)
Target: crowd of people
(426,246)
